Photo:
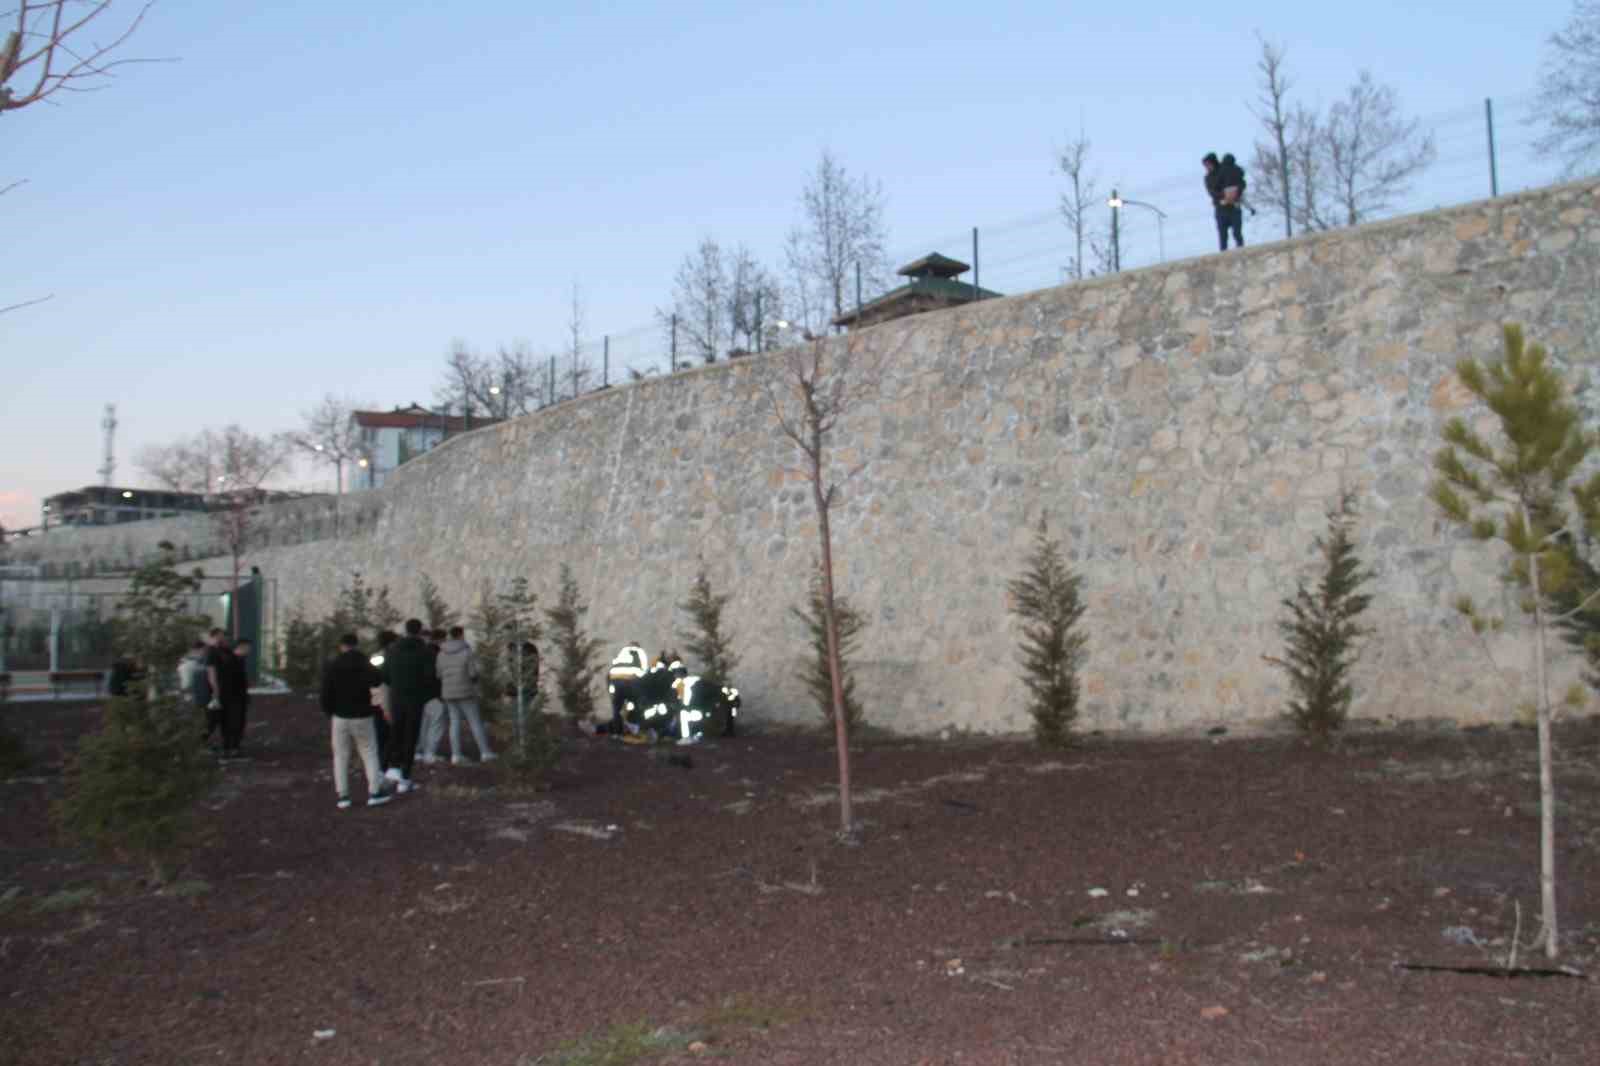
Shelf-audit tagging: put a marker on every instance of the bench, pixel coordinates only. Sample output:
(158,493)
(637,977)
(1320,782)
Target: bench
(69,679)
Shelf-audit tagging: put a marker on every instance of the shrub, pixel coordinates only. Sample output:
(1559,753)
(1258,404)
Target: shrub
(1322,633)
(133,785)
(303,654)
(576,653)
(709,645)
(1048,601)
(814,673)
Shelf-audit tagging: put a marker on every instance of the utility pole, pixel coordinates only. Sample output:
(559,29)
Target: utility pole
(109,424)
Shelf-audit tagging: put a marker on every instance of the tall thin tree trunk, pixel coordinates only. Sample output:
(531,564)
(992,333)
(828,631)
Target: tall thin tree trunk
(1547,784)
(841,724)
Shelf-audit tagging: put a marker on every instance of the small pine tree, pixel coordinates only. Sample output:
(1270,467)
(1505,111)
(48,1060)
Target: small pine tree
(385,615)
(1322,633)
(709,645)
(154,620)
(133,785)
(1048,600)
(303,653)
(519,608)
(1576,607)
(814,674)
(487,626)
(1519,496)
(577,653)
(353,609)
(435,611)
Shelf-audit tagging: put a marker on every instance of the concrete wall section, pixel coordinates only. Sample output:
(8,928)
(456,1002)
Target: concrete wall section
(1184,429)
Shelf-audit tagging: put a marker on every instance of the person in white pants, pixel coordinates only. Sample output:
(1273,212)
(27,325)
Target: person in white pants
(458,688)
(347,683)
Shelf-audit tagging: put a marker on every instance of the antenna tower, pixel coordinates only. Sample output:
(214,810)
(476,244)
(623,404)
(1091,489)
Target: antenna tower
(109,424)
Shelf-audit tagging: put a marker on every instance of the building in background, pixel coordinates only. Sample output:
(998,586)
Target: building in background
(392,438)
(933,286)
(106,505)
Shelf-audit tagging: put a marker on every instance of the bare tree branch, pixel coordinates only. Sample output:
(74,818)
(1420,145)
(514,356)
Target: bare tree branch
(1569,91)
(841,229)
(1080,197)
(40,51)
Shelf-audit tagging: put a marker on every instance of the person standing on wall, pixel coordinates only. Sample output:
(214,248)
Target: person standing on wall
(408,671)
(1224,183)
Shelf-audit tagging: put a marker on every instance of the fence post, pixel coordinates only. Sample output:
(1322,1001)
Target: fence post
(1488,118)
(976,276)
(552,381)
(673,352)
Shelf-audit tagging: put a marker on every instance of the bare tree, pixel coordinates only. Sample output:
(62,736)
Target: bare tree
(47,50)
(246,461)
(464,380)
(1080,198)
(1271,163)
(841,230)
(755,301)
(810,388)
(189,464)
(580,372)
(44,53)
(1569,91)
(1339,168)
(1371,153)
(516,382)
(332,437)
(700,303)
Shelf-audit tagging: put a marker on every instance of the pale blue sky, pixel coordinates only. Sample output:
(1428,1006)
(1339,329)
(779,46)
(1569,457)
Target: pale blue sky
(319,197)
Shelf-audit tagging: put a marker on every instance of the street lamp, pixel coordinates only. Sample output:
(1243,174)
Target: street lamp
(1116,203)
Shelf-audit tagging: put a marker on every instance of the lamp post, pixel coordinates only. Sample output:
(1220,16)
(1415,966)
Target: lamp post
(1117,203)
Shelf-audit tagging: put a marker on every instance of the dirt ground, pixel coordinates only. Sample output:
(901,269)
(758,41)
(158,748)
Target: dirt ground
(1214,900)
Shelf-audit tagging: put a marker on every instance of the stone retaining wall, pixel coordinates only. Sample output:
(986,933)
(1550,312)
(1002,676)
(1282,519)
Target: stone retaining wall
(1183,428)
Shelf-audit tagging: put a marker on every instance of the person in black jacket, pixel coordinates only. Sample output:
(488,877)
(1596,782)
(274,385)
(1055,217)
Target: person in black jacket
(347,683)
(409,672)
(1224,183)
(233,694)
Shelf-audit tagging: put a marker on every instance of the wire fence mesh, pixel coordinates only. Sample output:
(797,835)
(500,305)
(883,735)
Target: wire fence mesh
(1034,250)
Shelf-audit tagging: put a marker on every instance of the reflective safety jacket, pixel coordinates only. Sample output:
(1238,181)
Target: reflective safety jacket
(631,662)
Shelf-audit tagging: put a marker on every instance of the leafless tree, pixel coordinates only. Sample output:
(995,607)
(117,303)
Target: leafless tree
(1079,199)
(1339,168)
(810,388)
(185,465)
(507,385)
(1271,108)
(48,51)
(245,461)
(841,230)
(1370,151)
(331,436)
(580,371)
(700,304)
(1569,91)
(755,301)
(44,52)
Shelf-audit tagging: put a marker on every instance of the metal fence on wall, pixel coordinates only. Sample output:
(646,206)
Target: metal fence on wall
(1484,148)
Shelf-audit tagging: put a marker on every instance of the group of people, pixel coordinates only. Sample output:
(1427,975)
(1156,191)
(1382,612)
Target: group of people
(215,675)
(662,700)
(1225,187)
(391,709)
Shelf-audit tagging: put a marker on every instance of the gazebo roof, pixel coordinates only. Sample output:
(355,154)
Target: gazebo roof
(934,265)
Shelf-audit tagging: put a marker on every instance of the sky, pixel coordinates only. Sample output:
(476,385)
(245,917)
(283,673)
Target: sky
(309,198)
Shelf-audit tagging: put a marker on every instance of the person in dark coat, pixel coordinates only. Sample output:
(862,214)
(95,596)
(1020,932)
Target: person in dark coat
(233,693)
(1224,184)
(409,672)
(347,683)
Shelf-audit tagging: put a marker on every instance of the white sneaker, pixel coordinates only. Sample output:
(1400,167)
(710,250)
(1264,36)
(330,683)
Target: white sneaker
(458,760)
(427,760)
(490,756)
(393,774)
(406,785)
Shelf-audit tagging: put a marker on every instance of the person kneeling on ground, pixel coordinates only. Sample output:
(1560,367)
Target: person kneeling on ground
(347,683)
